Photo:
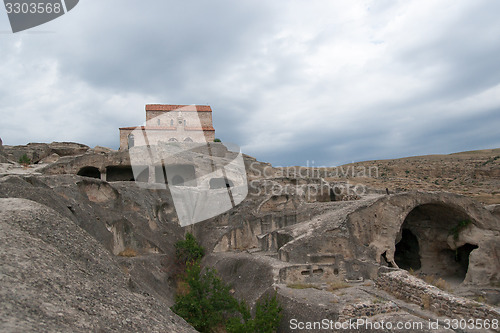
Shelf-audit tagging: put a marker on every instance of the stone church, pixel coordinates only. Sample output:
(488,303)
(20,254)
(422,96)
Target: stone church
(170,123)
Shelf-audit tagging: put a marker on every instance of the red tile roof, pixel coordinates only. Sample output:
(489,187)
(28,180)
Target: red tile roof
(199,128)
(158,128)
(171,107)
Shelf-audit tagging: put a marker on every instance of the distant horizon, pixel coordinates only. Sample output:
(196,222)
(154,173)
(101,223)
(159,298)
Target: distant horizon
(311,164)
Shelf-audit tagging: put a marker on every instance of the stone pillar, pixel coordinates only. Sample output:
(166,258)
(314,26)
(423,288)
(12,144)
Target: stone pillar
(103,174)
(152,174)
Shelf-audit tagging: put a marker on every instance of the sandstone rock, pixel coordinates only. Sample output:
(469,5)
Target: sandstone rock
(494,209)
(34,151)
(102,150)
(50,159)
(116,215)
(39,151)
(3,157)
(56,277)
(68,148)
(290,229)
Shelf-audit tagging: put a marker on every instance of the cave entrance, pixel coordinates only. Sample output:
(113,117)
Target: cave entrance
(119,173)
(426,243)
(89,171)
(407,255)
(462,258)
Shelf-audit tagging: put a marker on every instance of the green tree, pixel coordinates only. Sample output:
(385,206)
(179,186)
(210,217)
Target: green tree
(217,140)
(267,317)
(24,160)
(208,301)
(189,250)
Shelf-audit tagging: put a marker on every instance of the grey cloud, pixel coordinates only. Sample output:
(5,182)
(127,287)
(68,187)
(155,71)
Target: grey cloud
(246,60)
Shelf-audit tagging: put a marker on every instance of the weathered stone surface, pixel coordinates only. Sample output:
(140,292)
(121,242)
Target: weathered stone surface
(290,229)
(55,277)
(3,157)
(117,215)
(494,209)
(313,310)
(68,148)
(34,151)
(405,286)
(51,158)
(39,151)
(102,150)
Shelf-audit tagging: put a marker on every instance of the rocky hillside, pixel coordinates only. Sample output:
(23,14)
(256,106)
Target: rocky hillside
(474,173)
(79,255)
(55,277)
(89,252)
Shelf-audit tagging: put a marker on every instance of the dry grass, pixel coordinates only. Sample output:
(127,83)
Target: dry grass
(336,285)
(440,283)
(301,286)
(480,299)
(128,252)
(426,301)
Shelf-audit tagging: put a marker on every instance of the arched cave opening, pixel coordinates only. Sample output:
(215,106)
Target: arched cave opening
(424,242)
(89,171)
(176,174)
(119,173)
(462,254)
(407,255)
(332,195)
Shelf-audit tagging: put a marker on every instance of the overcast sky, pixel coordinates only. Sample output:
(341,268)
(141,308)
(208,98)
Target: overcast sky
(289,81)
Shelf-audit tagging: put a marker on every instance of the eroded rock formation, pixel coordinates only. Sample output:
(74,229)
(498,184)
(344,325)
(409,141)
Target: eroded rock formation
(291,232)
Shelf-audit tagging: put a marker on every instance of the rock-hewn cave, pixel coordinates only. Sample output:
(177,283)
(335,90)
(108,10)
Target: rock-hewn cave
(119,173)
(89,171)
(176,174)
(407,255)
(423,242)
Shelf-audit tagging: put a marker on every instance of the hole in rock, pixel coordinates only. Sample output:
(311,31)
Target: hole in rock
(89,171)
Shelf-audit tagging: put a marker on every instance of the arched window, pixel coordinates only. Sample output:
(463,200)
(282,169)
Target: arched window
(171,122)
(158,121)
(172,139)
(131,141)
(188,140)
(184,122)
(89,171)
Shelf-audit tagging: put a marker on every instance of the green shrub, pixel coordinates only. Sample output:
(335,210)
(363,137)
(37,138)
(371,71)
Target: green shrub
(455,231)
(205,301)
(208,302)
(24,160)
(267,317)
(217,140)
(188,250)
